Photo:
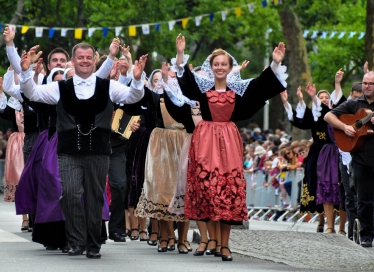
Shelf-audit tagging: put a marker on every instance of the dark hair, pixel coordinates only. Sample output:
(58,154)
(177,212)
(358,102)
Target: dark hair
(219,52)
(82,46)
(356,87)
(58,72)
(58,50)
(101,61)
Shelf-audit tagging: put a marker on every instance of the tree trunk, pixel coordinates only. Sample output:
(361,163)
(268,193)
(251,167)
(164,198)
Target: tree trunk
(369,35)
(16,15)
(298,68)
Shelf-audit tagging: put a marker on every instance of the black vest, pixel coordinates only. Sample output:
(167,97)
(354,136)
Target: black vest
(84,126)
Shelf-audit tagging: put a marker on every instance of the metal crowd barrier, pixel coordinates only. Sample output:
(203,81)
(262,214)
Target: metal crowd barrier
(264,202)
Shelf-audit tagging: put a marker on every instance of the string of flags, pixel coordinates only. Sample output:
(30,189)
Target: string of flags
(146,28)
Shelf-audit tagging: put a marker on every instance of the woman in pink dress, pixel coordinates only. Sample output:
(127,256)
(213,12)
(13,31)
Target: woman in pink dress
(216,188)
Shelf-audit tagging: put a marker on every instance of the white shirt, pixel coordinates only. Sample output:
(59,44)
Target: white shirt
(84,89)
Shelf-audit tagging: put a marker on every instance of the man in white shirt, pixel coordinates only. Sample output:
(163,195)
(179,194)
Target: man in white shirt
(84,113)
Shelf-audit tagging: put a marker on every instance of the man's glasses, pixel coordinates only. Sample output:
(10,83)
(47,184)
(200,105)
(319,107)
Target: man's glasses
(371,84)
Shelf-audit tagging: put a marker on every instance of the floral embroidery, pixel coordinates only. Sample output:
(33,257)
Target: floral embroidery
(305,197)
(214,96)
(321,135)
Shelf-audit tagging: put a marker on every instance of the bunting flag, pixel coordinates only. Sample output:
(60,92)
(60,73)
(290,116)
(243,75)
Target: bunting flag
(1,27)
(305,34)
(184,22)
(251,8)
(105,32)
(238,11)
(332,34)
(198,20)
(38,32)
(324,34)
(276,2)
(341,35)
(145,29)
(118,30)
(224,15)
(91,30)
(51,33)
(314,35)
(361,35)
(78,33)
(63,32)
(211,17)
(171,25)
(24,29)
(12,27)
(158,26)
(264,3)
(351,34)
(132,31)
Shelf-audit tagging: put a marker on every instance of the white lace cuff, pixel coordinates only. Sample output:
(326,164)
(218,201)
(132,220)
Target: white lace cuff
(300,110)
(280,72)
(316,110)
(179,70)
(3,101)
(289,111)
(335,99)
(13,103)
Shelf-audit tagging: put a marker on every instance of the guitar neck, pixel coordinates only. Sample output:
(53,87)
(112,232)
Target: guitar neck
(367,118)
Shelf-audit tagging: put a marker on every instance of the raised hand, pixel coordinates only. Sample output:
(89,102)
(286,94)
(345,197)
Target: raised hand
(299,94)
(311,90)
(114,47)
(190,66)
(180,43)
(366,67)
(123,66)
(33,55)
(284,96)
(8,35)
(279,52)
(126,51)
(339,75)
(25,61)
(139,67)
(244,64)
(97,56)
(39,67)
(164,72)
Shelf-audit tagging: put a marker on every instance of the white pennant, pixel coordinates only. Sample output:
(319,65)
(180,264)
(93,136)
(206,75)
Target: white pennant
(251,8)
(198,20)
(171,25)
(224,14)
(63,32)
(145,29)
(38,31)
(118,30)
(91,30)
(12,27)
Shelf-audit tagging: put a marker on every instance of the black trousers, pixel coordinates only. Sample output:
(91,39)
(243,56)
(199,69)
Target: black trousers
(83,176)
(364,183)
(350,199)
(118,188)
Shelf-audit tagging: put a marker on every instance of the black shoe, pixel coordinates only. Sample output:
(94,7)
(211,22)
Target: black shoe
(218,253)
(143,239)
(201,253)
(172,247)
(134,237)
(76,250)
(65,249)
(367,243)
(51,248)
(162,249)
(30,229)
(152,242)
(116,237)
(93,255)
(320,228)
(213,250)
(26,227)
(226,258)
(189,248)
(123,234)
(182,248)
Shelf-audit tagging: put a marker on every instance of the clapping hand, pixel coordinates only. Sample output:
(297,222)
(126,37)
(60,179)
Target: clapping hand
(284,96)
(114,47)
(339,75)
(299,94)
(279,52)
(139,67)
(366,67)
(126,51)
(165,72)
(8,35)
(33,55)
(311,90)
(244,64)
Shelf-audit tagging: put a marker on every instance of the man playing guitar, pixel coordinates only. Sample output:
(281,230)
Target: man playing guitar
(363,158)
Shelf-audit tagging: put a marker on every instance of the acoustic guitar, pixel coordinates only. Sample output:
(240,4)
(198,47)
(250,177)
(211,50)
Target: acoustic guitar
(361,123)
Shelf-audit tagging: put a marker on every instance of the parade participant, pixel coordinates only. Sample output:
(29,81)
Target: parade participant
(215,180)
(84,111)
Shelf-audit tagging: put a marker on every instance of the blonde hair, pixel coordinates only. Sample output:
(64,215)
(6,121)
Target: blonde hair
(219,52)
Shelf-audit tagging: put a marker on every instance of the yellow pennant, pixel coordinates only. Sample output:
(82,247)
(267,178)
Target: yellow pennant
(24,29)
(132,31)
(276,2)
(184,22)
(238,11)
(78,33)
